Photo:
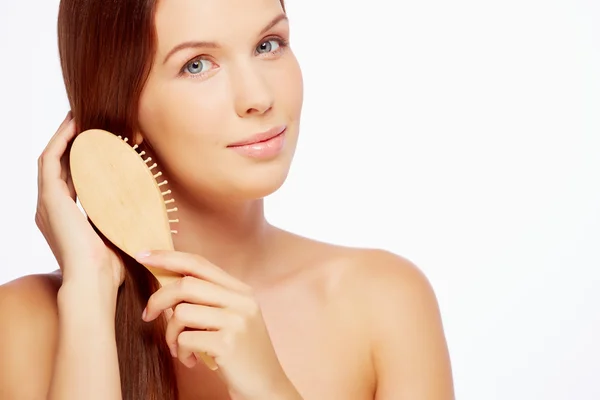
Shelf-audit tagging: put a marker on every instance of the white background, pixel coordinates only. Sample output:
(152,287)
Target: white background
(464,135)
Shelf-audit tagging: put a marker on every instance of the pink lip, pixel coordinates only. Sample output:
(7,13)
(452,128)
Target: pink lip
(266,145)
(260,137)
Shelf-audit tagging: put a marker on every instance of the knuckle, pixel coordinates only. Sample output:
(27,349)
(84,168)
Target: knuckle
(185,283)
(43,158)
(38,219)
(184,339)
(180,312)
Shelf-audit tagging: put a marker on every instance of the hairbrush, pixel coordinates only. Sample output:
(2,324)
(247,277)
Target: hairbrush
(125,197)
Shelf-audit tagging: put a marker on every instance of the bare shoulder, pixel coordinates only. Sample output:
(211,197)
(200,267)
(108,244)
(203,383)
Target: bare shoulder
(28,311)
(392,283)
(408,343)
(382,273)
(372,273)
(395,300)
(31,295)
(394,289)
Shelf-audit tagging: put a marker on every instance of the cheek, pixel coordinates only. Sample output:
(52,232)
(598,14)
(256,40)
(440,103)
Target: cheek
(184,115)
(183,128)
(290,88)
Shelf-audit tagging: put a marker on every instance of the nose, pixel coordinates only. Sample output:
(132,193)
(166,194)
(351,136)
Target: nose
(251,89)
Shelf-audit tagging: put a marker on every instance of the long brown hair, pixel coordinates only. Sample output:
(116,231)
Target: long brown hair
(106,50)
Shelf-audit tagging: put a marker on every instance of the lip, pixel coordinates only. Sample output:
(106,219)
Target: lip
(260,137)
(264,146)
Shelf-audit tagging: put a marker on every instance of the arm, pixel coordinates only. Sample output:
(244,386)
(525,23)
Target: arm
(62,346)
(57,350)
(410,352)
(86,364)
(28,337)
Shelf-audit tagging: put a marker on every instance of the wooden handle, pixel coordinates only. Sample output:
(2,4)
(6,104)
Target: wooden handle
(208,361)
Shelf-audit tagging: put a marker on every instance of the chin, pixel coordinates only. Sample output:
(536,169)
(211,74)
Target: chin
(259,183)
(251,181)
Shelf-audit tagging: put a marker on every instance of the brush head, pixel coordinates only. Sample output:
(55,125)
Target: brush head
(119,193)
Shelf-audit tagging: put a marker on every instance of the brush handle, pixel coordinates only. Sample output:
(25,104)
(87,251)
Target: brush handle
(208,361)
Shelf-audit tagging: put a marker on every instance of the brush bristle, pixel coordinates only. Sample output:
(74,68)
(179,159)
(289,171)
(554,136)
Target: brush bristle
(160,184)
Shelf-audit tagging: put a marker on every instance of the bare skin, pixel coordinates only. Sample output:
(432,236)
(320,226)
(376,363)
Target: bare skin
(345,323)
(342,323)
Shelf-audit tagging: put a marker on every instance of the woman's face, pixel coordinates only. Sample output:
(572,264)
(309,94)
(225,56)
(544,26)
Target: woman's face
(222,75)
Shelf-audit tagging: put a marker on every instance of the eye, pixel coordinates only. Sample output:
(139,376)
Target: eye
(269,46)
(197,66)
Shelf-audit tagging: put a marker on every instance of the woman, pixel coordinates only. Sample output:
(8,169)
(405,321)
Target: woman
(213,91)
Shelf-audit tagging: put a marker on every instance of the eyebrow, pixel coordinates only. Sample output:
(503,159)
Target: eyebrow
(214,45)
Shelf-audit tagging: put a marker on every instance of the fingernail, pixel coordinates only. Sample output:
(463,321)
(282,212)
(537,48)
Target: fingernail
(144,313)
(142,254)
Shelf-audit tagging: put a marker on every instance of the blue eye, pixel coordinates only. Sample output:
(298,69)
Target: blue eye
(268,46)
(197,66)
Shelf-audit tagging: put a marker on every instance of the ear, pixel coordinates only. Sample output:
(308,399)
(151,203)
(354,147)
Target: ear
(138,138)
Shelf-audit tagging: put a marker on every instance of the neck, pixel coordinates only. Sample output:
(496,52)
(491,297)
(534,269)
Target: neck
(232,236)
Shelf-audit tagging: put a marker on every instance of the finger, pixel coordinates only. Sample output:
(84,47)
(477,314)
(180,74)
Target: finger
(60,131)
(195,291)
(194,265)
(64,123)
(49,163)
(193,316)
(205,345)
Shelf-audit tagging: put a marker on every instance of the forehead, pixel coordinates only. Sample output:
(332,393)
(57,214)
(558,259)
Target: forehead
(211,20)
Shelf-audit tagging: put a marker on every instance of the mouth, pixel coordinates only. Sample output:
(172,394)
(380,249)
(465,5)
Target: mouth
(261,137)
(264,146)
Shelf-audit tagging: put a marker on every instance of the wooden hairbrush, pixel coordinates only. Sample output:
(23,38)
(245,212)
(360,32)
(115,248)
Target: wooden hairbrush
(120,193)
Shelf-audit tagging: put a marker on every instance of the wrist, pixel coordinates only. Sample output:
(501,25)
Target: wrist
(74,274)
(92,293)
(109,270)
